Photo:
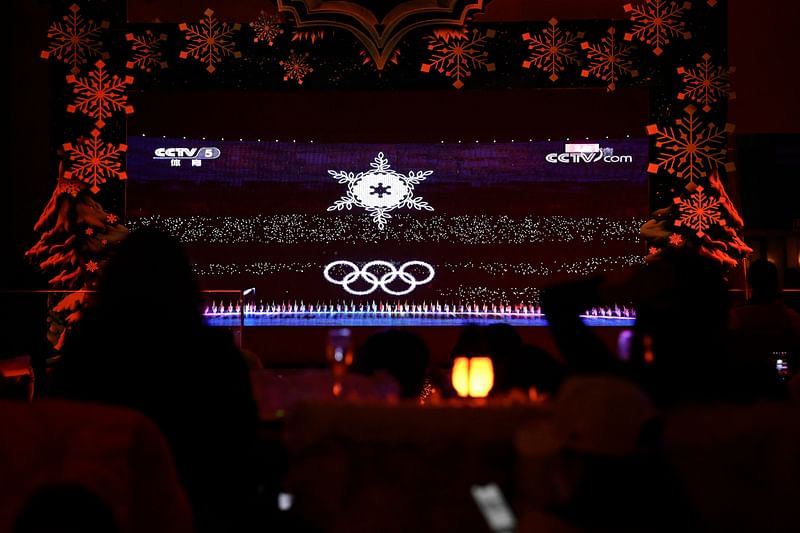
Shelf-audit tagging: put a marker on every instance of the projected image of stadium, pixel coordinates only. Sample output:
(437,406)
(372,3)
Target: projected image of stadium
(316,227)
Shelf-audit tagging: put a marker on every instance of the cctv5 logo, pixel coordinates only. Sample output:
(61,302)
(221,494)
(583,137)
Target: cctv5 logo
(187,153)
(587,153)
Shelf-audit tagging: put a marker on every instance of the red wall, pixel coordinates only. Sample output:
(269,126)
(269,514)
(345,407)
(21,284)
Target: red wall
(762,40)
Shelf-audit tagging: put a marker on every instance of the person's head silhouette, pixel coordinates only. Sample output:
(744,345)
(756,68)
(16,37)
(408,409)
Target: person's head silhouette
(402,354)
(149,277)
(763,279)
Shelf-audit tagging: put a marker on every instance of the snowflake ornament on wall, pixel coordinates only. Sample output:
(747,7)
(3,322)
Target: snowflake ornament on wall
(380,190)
(706,84)
(266,28)
(75,40)
(657,21)
(457,55)
(690,150)
(699,212)
(552,50)
(70,187)
(296,67)
(675,240)
(94,161)
(608,60)
(100,95)
(210,40)
(146,51)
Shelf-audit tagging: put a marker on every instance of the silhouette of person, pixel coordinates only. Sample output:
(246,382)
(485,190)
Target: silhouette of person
(765,328)
(402,354)
(142,343)
(65,509)
(503,346)
(682,344)
(534,367)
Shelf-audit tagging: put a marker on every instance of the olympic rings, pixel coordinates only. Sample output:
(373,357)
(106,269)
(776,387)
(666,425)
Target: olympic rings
(383,281)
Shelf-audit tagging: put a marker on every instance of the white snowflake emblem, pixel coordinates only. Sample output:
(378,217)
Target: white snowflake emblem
(380,190)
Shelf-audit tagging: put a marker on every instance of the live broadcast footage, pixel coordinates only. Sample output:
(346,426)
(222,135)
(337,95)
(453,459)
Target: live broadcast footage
(463,223)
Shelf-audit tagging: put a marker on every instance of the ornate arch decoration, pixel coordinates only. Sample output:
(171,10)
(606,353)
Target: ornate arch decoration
(379,25)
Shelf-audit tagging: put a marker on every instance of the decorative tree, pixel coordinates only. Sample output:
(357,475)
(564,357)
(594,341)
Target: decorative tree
(76,238)
(703,218)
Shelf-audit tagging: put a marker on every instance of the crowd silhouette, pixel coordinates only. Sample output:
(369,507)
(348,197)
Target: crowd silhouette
(142,344)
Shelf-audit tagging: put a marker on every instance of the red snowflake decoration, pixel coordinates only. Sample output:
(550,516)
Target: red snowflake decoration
(705,84)
(92,266)
(146,50)
(699,212)
(112,218)
(655,22)
(70,187)
(100,95)
(675,239)
(94,161)
(296,67)
(89,231)
(653,250)
(458,55)
(690,150)
(210,40)
(266,28)
(608,60)
(552,50)
(75,40)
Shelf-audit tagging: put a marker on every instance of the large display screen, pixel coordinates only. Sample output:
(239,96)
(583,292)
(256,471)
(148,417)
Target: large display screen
(462,223)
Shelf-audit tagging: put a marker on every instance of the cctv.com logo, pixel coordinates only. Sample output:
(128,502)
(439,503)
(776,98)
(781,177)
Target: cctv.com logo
(587,153)
(196,155)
